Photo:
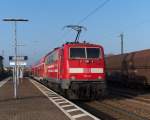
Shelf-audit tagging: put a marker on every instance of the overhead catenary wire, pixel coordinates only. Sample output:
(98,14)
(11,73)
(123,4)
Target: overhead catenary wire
(88,15)
(93,11)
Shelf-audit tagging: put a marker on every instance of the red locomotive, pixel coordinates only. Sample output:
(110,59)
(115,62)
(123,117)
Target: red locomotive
(75,69)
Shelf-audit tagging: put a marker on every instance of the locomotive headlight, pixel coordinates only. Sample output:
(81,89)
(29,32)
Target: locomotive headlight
(87,61)
(99,77)
(73,77)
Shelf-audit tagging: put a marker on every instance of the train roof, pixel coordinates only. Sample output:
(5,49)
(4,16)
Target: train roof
(73,44)
(142,52)
(84,43)
(40,61)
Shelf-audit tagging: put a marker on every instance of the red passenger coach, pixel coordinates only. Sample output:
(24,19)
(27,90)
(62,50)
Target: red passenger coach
(38,71)
(76,69)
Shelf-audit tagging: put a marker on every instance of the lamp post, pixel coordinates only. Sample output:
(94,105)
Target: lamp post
(15,77)
(122,44)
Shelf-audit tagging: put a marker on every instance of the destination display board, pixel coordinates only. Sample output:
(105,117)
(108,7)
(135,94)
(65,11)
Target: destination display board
(19,58)
(20,63)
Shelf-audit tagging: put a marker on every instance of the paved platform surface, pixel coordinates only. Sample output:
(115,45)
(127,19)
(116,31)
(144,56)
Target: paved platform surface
(30,105)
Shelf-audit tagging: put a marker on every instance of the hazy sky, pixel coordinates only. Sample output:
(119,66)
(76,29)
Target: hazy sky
(47,18)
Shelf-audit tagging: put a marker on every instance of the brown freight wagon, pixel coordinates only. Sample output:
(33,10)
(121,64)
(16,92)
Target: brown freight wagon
(131,67)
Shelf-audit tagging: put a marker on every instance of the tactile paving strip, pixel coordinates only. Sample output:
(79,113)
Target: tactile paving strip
(4,81)
(73,111)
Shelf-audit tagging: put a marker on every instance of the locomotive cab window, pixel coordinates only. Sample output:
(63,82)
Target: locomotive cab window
(84,53)
(76,53)
(93,52)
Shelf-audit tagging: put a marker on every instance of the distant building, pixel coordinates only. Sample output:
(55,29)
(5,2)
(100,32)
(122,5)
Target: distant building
(1,62)
(110,54)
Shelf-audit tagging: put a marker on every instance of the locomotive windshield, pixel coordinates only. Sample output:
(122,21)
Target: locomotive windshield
(93,52)
(77,53)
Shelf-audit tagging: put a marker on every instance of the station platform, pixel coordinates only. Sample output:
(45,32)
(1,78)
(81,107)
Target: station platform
(36,102)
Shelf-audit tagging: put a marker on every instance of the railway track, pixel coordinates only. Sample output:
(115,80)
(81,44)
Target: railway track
(114,111)
(118,105)
(121,105)
(143,97)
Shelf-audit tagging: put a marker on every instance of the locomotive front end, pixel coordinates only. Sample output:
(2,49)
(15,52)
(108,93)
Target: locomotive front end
(85,71)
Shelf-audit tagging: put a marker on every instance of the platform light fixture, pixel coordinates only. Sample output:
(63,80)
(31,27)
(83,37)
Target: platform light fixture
(15,76)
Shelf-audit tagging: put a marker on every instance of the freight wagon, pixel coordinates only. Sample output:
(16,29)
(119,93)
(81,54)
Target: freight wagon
(129,68)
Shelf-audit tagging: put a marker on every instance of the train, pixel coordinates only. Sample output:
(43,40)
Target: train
(75,70)
(1,68)
(3,71)
(129,68)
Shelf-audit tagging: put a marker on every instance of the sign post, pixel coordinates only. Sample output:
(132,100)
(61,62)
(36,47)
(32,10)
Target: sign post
(17,71)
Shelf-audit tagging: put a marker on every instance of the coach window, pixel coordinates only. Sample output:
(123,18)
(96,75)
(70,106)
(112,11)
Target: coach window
(55,56)
(62,53)
(50,59)
(47,60)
